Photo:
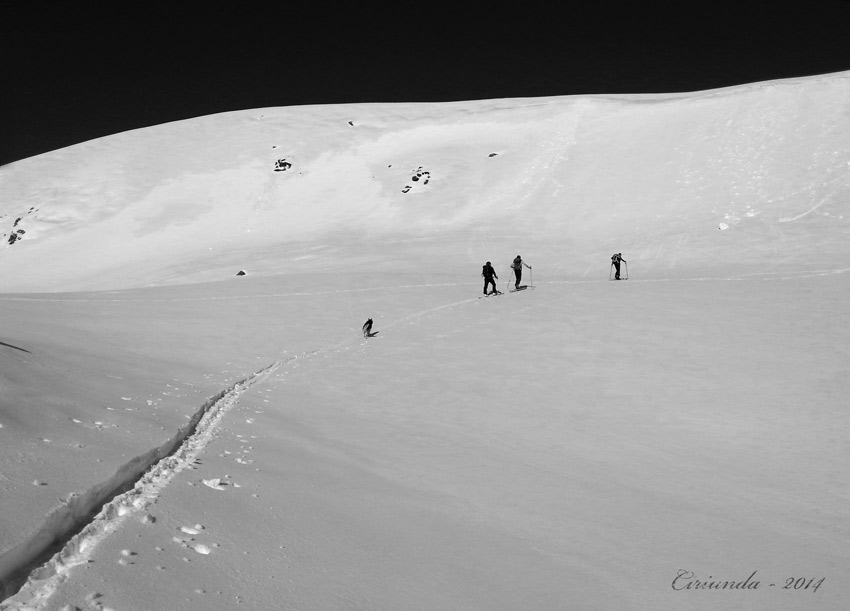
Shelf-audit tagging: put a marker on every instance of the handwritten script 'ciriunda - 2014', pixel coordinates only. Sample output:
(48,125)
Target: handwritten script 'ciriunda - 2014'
(688,580)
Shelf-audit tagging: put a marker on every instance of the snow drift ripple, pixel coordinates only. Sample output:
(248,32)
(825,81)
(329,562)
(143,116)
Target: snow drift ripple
(134,487)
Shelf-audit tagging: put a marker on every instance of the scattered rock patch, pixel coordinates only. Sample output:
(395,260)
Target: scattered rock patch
(16,234)
(420,178)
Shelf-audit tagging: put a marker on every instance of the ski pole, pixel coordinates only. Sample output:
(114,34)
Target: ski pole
(627,269)
(610,271)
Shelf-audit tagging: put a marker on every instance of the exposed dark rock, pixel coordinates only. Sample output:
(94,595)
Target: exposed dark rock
(419,174)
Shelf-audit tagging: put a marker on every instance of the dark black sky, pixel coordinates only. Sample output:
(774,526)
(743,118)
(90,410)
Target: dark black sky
(70,74)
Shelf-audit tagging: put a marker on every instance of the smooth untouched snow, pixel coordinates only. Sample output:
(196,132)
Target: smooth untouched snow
(587,444)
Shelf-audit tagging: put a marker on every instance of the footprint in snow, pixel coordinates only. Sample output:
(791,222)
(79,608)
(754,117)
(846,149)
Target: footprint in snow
(125,557)
(93,602)
(214,483)
(197,547)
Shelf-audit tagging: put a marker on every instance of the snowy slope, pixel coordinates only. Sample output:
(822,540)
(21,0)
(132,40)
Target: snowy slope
(574,446)
(737,176)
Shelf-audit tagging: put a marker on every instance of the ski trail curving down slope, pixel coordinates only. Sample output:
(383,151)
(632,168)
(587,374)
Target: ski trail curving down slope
(146,476)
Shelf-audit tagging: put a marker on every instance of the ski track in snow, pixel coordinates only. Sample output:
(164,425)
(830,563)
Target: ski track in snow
(841,182)
(157,467)
(179,453)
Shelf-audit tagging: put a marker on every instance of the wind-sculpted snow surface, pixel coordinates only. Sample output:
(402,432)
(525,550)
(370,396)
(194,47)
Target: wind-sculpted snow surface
(752,175)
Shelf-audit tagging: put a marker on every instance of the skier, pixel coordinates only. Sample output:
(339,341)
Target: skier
(615,261)
(367,328)
(517,267)
(489,273)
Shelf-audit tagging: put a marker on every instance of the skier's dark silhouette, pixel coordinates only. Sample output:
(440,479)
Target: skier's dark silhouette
(489,274)
(517,267)
(615,261)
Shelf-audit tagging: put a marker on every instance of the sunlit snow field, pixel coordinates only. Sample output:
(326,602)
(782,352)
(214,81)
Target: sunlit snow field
(576,445)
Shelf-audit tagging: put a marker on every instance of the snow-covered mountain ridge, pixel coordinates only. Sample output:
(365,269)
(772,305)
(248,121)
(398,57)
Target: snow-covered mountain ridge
(751,175)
